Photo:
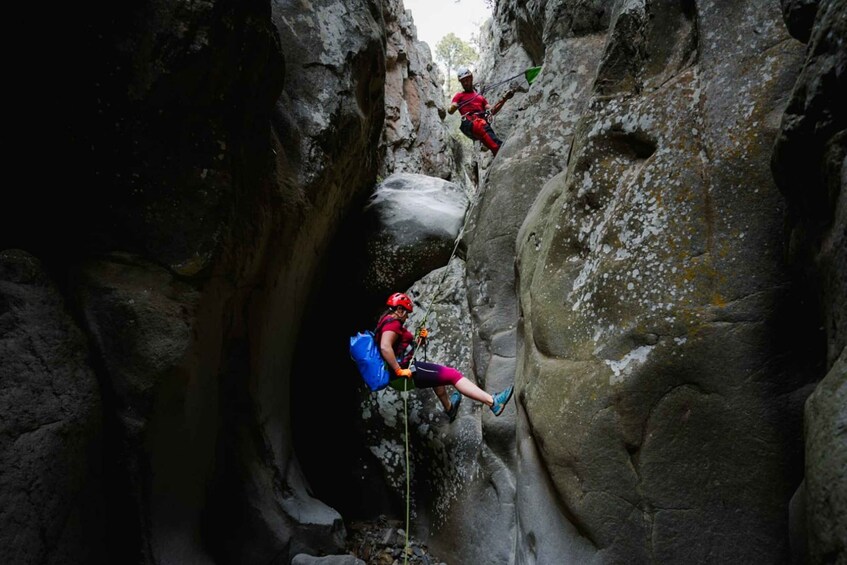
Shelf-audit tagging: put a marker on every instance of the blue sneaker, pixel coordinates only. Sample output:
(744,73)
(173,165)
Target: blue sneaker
(455,400)
(501,399)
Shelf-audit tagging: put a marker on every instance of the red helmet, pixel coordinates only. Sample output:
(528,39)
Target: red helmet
(400,299)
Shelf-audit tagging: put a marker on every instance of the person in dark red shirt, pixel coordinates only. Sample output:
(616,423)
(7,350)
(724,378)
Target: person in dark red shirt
(476,112)
(396,344)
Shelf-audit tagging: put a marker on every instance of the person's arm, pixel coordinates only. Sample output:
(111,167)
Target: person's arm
(386,349)
(457,102)
(454,104)
(497,107)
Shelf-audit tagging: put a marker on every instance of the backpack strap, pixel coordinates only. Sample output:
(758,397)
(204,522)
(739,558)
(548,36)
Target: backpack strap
(377,332)
(385,319)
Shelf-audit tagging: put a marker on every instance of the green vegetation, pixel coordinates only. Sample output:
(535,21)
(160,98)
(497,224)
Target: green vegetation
(453,53)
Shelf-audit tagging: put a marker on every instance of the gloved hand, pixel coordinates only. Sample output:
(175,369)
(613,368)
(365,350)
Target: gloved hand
(401,372)
(424,333)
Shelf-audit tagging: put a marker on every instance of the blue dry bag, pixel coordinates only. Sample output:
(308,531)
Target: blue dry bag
(365,353)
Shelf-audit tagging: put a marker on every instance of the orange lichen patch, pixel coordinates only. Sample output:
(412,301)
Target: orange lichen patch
(691,273)
(718,300)
(692,318)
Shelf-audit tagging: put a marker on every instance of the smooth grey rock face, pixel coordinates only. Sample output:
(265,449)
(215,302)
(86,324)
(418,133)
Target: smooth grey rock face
(187,266)
(537,127)
(140,318)
(51,505)
(650,284)
(416,221)
(142,326)
(332,102)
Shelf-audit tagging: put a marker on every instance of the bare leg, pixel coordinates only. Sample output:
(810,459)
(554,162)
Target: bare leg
(469,389)
(441,393)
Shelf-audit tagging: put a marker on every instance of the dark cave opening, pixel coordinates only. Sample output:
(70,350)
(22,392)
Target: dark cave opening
(326,388)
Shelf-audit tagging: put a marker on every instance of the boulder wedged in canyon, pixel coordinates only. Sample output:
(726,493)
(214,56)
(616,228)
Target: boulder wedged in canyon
(416,220)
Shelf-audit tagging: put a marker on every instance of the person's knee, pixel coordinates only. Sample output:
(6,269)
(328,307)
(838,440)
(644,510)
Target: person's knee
(454,375)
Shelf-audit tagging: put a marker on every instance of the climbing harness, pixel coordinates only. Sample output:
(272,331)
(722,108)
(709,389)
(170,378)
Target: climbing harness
(476,125)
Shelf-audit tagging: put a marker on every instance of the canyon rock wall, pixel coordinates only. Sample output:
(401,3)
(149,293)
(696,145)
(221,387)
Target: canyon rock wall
(414,139)
(810,168)
(665,347)
(215,148)
(625,263)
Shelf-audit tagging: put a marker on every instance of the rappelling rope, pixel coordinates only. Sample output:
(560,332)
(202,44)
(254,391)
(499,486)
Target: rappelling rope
(405,394)
(534,72)
(474,200)
(408,484)
(487,87)
(529,74)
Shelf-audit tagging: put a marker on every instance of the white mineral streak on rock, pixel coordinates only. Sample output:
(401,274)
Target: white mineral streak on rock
(624,367)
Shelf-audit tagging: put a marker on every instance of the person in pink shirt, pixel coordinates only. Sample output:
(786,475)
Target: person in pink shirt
(397,345)
(476,112)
